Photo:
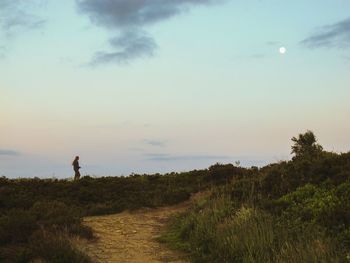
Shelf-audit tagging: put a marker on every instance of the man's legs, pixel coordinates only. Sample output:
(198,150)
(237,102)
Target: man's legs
(77,175)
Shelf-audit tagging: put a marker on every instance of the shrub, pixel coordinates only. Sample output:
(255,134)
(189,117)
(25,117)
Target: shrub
(328,207)
(216,230)
(55,248)
(16,226)
(55,214)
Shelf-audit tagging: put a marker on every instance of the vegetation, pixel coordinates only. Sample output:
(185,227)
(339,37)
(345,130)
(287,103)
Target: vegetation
(38,217)
(92,196)
(292,211)
(43,232)
(295,211)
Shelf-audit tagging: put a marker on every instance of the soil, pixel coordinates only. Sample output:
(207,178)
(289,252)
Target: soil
(131,236)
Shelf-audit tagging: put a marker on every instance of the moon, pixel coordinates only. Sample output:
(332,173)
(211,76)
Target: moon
(282,50)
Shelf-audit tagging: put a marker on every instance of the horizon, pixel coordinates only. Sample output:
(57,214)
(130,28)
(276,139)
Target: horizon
(161,86)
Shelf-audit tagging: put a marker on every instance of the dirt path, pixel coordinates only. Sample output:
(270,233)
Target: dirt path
(130,236)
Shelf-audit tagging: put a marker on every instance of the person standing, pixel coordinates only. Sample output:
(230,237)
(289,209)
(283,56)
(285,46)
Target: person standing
(76,168)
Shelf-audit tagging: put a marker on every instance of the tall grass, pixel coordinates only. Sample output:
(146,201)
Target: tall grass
(215,230)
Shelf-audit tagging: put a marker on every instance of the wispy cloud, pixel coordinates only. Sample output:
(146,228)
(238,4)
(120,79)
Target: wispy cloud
(7,152)
(128,46)
(16,15)
(171,157)
(157,143)
(332,36)
(273,43)
(2,51)
(130,18)
(23,20)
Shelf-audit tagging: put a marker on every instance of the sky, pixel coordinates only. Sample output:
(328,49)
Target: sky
(147,86)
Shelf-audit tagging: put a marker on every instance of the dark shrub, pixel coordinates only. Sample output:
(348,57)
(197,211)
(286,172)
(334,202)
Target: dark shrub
(17,226)
(55,249)
(55,214)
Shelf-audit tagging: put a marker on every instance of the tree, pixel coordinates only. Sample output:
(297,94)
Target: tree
(306,145)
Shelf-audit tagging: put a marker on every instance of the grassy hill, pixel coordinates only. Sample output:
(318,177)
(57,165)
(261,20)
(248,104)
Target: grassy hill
(292,211)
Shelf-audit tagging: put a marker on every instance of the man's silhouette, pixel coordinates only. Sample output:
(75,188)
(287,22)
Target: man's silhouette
(76,168)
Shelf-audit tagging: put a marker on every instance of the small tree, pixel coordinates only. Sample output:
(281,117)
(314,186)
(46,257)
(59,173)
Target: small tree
(305,145)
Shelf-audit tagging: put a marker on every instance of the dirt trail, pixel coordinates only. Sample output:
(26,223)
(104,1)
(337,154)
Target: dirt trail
(130,236)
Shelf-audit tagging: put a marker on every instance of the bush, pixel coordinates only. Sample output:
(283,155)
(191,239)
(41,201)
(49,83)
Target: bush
(218,232)
(55,248)
(55,214)
(17,226)
(20,239)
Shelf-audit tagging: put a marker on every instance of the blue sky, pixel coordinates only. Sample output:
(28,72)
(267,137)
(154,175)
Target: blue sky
(161,85)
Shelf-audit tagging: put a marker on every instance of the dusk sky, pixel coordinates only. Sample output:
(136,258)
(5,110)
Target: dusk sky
(149,86)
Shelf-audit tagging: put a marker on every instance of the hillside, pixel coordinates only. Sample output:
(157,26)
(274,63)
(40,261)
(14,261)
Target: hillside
(39,217)
(292,211)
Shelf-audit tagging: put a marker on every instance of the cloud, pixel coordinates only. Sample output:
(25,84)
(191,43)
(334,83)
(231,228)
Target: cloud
(170,157)
(7,152)
(154,142)
(273,43)
(128,46)
(130,17)
(2,51)
(16,15)
(332,36)
(125,13)
(21,20)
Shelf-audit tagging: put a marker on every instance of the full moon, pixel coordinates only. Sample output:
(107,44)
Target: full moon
(282,50)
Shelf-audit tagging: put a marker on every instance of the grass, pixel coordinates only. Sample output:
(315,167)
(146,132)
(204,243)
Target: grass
(215,230)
